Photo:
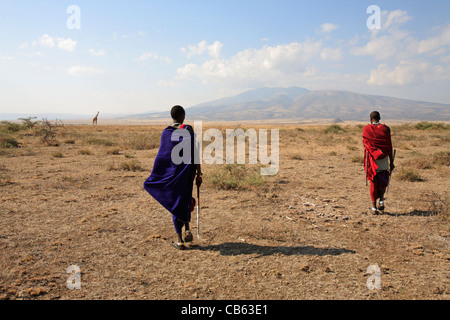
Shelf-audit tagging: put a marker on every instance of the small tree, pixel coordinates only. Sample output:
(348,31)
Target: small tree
(27,123)
(48,130)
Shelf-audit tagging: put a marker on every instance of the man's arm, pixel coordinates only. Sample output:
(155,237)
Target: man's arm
(198,172)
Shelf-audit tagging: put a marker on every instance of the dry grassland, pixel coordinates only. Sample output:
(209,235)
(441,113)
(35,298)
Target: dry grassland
(305,233)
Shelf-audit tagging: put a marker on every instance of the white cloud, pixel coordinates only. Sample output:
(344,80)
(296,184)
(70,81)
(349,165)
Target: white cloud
(151,55)
(407,73)
(388,41)
(84,71)
(215,49)
(48,41)
(394,18)
(331,54)
(202,47)
(66,44)
(32,54)
(268,65)
(328,27)
(97,53)
(170,83)
(435,43)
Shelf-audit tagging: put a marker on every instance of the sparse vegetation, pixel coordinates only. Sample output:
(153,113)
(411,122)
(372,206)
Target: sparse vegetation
(100,141)
(358,159)
(306,223)
(10,127)
(334,128)
(69,141)
(131,165)
(424,125)
(114,151)
(439,205)
(85,152)
(8,143)
(27,123)
(144,142)
(441,158)
(408,174)
(296,157)
(235,177)
(48,131)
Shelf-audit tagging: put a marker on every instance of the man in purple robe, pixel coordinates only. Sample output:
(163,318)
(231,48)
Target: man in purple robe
(171,180)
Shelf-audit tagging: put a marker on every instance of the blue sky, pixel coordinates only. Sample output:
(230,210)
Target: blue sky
(142,56)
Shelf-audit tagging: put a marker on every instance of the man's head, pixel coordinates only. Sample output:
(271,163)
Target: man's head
(178,114)
(375,116)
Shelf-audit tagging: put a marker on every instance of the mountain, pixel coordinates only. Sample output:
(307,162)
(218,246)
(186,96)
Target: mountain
(300,103)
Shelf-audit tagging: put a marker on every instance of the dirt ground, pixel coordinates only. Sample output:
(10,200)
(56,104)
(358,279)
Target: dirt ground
(304,233)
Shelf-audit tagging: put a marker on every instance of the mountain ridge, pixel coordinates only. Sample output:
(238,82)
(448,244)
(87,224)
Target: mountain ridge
(295,102)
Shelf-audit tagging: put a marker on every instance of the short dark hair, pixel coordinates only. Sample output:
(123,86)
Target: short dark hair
(177,113)
(375,115)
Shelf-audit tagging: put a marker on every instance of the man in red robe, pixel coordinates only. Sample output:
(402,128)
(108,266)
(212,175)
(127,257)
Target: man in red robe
(378,159)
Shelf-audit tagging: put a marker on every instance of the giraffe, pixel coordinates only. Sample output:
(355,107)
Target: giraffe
(94,121)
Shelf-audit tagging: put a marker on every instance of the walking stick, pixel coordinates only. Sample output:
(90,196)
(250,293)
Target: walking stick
(365,164)
(198,212)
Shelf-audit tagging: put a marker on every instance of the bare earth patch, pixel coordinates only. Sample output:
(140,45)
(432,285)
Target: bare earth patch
(301,234)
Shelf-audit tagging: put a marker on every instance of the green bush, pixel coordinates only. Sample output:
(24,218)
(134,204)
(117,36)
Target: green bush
(424,125)
(7,126)
(334,128)
(9,143)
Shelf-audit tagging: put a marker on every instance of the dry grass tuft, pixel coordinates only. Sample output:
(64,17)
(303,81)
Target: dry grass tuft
(408,174)
(235,177)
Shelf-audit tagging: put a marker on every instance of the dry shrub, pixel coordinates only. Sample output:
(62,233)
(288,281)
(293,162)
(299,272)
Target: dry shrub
(408,174)
(9,143)
(48,131)
(85,152)
(424,125)
(143,142)
(131,165)
(100,141)
(437,205)
(113,151)
(424,162)
(334,128)
(358,159)
(296,157)
(441,158)
(4,177)
(235,177)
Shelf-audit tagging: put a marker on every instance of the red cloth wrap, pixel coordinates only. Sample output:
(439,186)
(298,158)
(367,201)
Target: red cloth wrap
(378,144)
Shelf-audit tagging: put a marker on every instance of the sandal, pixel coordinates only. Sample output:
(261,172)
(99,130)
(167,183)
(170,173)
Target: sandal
(178,245)
(374,211)
(188,236)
